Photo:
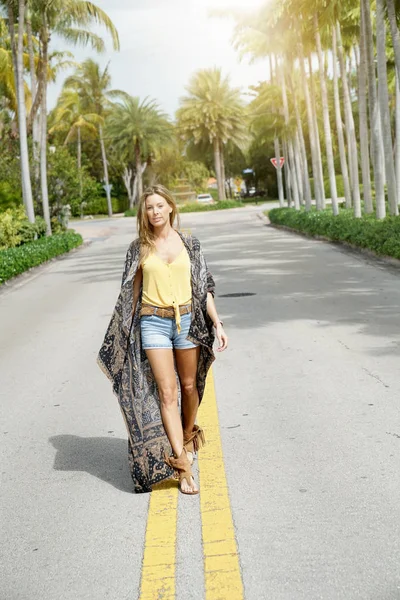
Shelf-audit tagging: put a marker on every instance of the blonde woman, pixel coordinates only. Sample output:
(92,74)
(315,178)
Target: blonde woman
(159,344)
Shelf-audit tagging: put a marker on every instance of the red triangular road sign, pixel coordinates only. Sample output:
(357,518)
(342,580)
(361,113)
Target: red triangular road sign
(275,162)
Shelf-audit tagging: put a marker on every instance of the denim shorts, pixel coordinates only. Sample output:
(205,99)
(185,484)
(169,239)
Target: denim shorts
(159,332)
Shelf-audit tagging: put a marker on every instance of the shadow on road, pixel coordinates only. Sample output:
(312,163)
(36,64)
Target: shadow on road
(102,457)
(291,278)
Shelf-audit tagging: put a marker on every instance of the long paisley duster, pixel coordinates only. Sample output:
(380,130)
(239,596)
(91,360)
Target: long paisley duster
(124,361)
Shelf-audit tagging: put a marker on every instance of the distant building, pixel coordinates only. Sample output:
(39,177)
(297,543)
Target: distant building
(212,183)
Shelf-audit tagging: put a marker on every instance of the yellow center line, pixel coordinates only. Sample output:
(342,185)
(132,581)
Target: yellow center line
(221,562)
(158,570)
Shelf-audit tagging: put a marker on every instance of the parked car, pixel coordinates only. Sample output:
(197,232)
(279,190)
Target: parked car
(205,199)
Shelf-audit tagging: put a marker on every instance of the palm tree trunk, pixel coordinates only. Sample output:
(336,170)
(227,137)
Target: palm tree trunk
(293,182)
(217,166)
(339,124)
(363,123)
(314,160)
(317,137)
(44,38)
(383,96)
(351,128)
(105,169)
(327,125)
(299,166)
(277,149)
(306,177)
(127,179)
(397,155)
(288,177)
(138,165)
(43,165)
(36,131)
(377,158)
(17,54)
(391,9)
(281,194)
(302,152)
(80,164)
(223,176)
(31,53)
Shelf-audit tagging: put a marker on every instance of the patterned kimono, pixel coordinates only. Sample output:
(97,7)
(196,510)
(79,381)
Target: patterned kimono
(123,360)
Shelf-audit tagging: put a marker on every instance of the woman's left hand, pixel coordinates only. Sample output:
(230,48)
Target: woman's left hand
(222,338)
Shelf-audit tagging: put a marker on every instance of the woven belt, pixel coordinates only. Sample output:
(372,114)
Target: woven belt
(165,313)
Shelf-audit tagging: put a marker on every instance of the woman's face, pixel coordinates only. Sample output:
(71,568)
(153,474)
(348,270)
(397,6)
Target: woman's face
(158,210)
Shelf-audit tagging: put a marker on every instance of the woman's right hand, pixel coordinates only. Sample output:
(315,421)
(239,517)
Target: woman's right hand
(221,337)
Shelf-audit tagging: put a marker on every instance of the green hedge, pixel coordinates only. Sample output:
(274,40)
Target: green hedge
(98,206)
(197,207)
(15,229)
(382,236)
(14,261)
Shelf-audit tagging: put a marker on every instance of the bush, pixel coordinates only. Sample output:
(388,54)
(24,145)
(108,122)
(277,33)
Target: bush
(382,236)
(15,229)
(131,212)
(14,261)
(98,206)
(196,207)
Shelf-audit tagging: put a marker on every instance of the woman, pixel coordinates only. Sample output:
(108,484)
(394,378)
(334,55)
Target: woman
(165,316)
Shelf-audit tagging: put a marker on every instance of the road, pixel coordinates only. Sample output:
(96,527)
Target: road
(308,404)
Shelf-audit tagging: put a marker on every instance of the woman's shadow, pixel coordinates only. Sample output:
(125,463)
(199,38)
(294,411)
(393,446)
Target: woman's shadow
(103,457)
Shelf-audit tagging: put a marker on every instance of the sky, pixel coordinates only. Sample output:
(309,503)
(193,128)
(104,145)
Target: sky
(163,43)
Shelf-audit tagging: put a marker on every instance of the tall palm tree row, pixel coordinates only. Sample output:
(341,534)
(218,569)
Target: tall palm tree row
(36,21)
(342,44)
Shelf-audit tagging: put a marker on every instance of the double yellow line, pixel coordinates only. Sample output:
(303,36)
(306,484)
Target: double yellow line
(222,576)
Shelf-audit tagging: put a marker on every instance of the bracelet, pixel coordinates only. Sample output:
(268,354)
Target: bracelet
(221,322)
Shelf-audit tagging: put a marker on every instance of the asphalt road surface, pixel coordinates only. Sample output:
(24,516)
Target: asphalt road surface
(308,398)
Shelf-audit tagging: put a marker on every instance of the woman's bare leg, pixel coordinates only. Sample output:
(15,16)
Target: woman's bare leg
(162,364)
(186,364)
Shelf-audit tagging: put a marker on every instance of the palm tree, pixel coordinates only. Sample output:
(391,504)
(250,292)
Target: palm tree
(377,158)
(69,118)
(363,120)
(68,19)
(213,111)
(92,87)
(136,128)
(350,127)
(339,124)
(383,96)
(325,112)
(18,68)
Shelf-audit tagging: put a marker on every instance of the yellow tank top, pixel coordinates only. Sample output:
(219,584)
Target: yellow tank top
(166,284)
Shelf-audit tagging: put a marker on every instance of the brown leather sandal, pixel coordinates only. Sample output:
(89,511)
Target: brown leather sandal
(182,466)
(192,442)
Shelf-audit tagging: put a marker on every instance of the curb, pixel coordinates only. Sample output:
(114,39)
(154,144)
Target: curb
(33,272)
(364,252)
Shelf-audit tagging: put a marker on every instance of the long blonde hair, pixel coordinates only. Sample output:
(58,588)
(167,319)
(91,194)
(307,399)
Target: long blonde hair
(145,229)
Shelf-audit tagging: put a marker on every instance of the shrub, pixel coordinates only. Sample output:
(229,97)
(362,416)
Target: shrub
(15,229)
(98,206)
(131,212)
(382,236)
(14,261)
(197,207)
